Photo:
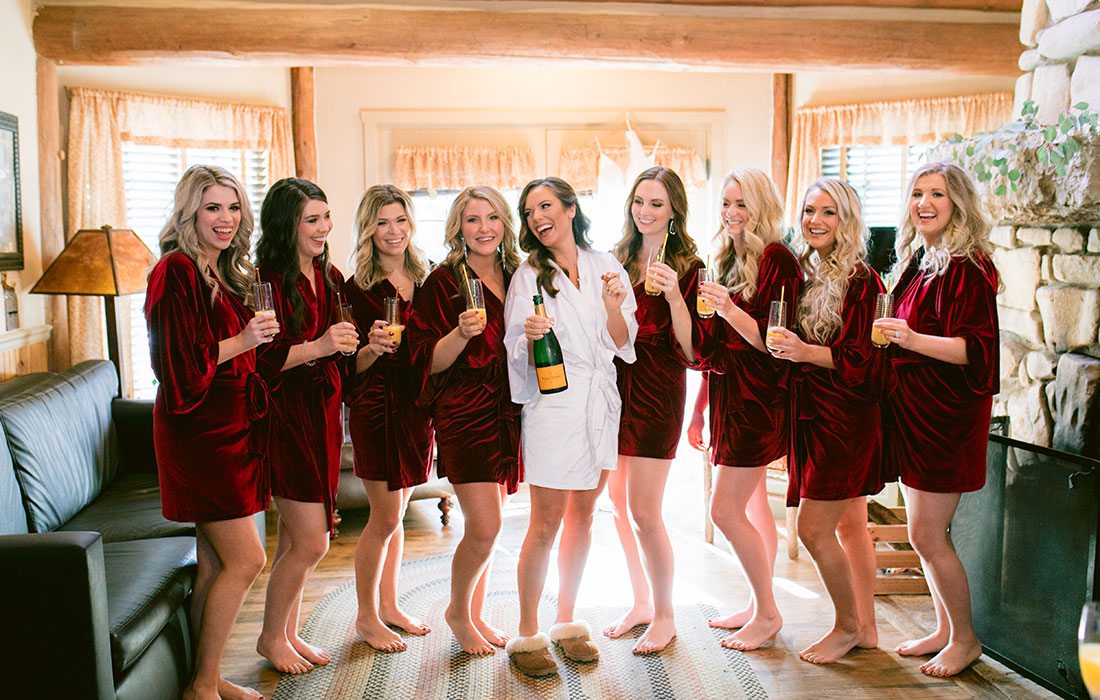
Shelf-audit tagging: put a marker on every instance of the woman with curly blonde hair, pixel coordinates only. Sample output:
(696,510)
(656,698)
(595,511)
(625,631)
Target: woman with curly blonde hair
(391,436)
(836,381)
(946,358)
(461,375)
(746,389)
(653,390)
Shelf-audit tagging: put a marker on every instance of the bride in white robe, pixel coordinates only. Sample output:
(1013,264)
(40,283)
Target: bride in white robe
(570,439)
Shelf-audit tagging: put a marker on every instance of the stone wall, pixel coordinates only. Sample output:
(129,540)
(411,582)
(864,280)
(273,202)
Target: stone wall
(1061,61)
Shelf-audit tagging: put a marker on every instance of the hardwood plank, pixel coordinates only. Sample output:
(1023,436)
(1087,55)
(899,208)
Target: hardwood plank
(896,558)
(895,584)
(888,533)
(302,117)
(287,35)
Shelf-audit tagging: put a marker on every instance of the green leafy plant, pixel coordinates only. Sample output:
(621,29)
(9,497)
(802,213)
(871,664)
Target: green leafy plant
(994,156)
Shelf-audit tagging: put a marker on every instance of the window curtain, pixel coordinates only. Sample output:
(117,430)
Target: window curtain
(99,121)
(580,165)
(903,122)
(434,168)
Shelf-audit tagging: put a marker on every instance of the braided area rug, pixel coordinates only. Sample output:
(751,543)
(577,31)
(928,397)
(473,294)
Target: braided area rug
(694,666)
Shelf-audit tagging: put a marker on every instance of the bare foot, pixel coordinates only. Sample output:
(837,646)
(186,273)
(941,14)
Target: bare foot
(868,638)
(758,632)
(491,634)
(656,637)
(467,635)
(832,647)
(953,660)
(199,692)
(375,633)
(313,654)
(282,656)
(640,614)
(232,691)
(735,620)
(397,618)
(932,644)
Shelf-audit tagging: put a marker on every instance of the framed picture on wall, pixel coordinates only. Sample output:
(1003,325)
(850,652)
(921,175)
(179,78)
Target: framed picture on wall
(11,216)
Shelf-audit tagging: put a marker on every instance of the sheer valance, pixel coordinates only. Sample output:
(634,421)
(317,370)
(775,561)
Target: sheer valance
(581,166)
(435,168)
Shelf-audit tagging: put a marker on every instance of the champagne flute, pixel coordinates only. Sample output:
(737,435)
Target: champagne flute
(702,308)
(884,308)
(346,316)
(777,318)
(265,299)
(392,316)
(1088,648)
(475,297)
(654,256)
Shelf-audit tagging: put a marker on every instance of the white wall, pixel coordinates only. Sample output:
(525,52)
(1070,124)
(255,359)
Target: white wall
(18,96)
(814,89)
(263,85)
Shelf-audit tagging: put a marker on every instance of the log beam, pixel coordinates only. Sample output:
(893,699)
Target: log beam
(975,5)
(52,215)
(288,36)
(781,131)
(302,123)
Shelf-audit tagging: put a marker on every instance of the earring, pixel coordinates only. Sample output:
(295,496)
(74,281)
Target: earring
(671,229)
(465,249)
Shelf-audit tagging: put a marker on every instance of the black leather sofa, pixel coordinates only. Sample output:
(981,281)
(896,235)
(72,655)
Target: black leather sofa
(94,582)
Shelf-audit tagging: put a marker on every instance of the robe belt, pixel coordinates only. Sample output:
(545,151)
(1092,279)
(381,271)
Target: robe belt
(602,400)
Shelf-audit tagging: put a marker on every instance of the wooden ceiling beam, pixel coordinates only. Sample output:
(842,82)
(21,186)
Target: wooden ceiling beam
(976,5)
(336,34)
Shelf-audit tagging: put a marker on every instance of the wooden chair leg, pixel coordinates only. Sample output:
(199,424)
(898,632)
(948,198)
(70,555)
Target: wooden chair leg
(792,533)
(708,491)
(445,505)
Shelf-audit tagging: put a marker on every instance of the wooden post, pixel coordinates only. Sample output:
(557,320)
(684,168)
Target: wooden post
(303,123)
(708,492)
(52,217)
(781,131)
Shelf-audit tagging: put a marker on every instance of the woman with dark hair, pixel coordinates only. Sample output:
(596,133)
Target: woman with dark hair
(570,438)
(945,357)
(302,368)
(391,435)
(201,342)
(653,391)
(461,370)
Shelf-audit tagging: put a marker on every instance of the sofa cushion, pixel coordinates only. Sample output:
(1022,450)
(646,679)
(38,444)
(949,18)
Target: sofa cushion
(128,509)
(60,438)
(147,582)
(13,516)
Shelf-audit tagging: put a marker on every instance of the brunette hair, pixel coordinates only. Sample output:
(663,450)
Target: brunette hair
(680,250)
(540,256)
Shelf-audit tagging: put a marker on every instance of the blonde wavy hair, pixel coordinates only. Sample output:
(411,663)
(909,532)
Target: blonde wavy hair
(452,237)
(764,227)
(967,232)
(827,278)
(180,233)
(680,251)
(368,268)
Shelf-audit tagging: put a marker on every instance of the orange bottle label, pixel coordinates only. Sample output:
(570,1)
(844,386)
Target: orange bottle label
(551,377)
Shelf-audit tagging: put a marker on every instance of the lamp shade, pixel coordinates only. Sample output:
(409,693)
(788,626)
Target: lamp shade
(103,261)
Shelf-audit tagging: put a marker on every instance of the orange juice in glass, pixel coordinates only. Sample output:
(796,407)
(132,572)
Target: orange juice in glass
(265,299)
(702,308)
(884,308)
(475,297)
(777,318)
(655,255)
(392,317)
(1088,648)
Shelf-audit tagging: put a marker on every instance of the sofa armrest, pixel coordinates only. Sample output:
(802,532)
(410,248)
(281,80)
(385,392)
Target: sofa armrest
(53,595)
(133,419)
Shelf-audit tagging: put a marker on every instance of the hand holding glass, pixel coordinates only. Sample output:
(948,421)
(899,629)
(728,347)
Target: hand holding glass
(884,308)
(777,318)
(392,316)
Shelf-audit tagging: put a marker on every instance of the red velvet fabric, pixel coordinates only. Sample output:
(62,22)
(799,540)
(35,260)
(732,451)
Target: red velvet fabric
(305,420)
(653,388)
(748,387)
(207,454)
(476,423)
(937,417)
(835,420)
(391,435)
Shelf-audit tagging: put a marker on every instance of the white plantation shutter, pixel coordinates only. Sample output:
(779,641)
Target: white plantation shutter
(878,174)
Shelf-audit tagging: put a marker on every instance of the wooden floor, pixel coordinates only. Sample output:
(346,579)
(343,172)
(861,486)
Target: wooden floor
(707,573)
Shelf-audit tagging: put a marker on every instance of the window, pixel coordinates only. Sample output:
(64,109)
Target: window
(151,174)
(431,219)
(878,173)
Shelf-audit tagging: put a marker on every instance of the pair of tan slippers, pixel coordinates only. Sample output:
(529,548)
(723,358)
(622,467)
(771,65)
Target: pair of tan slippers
(532,656)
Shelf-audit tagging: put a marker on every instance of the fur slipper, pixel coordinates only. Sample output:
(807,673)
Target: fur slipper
(575,640)
(531,655)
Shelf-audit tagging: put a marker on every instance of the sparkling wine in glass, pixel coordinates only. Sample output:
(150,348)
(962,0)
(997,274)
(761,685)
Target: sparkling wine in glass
(702,308)
(777,318)
(1088,648)
(265,299)
(654,256)
(884,308)
(346,316)
(475,297)
(392,317)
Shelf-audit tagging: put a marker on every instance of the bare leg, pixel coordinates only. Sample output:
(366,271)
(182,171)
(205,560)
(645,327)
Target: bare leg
(576,540)
(760,516)
(860,551)
(388,610)
(209,566)
(930,515)
(646,496)
(481,508)
(547,509)
(641,611)
(732,490)
(386,508)
(303,541)
(477,603)
(236,544)
(817,525)
(936,640)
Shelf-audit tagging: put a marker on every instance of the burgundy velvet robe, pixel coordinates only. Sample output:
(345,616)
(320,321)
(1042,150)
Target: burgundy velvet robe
(305,421)
(748,387)
(835,421)
(391,435)
(937,422)
(653,388)
(476,424)
(207,456)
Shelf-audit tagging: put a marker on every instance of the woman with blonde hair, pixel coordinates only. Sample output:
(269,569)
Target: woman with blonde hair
(391,435)
(747,395)
(836,381)
(945,358)
(653,390)
(201,341)
(462,377)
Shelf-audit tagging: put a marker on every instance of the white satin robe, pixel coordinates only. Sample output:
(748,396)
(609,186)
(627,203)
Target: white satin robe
(570,437)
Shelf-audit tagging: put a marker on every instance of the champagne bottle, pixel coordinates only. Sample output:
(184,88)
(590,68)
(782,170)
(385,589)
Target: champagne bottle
(549,361)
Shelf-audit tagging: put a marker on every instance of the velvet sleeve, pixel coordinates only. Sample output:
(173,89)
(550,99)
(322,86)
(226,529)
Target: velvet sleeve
(778,276)
(435,314)
(969,304)
(182,346)
(689,289)
(860,366)
(522,379)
